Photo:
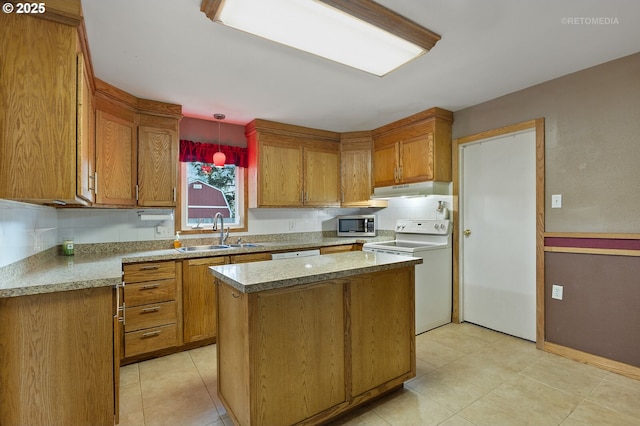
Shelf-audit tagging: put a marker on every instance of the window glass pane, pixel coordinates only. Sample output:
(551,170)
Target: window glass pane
(210,190)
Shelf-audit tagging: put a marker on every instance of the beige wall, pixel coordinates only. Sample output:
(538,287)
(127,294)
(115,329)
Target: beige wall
(592,158)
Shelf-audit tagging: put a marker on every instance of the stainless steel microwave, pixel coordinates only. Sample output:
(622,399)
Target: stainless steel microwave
(356,226)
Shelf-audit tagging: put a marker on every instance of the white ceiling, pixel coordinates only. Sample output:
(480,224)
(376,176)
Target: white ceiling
(167,50)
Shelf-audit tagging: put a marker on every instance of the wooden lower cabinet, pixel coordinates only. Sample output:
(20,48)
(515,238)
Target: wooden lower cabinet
(379,336)
(199,298)
(57,357)
(306,354)
(152,307)
(337,249)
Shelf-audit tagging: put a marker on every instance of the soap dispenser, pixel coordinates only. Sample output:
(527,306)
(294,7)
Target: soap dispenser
(177,243)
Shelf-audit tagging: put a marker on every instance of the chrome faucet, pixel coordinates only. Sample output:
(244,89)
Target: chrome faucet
(223,235)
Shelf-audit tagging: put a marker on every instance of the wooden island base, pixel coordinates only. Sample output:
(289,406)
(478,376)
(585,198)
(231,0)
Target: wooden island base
(309,353)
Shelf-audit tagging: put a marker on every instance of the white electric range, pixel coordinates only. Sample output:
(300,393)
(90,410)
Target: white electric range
(431,241)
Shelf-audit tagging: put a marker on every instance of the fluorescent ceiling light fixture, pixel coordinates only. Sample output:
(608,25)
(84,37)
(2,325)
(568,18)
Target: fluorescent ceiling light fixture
(358,33)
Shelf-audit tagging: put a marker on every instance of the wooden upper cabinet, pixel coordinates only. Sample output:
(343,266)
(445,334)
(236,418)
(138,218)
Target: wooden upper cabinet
(85,134)
(157,161)
(136,149)
(280,173)
(292,166)
(38,110)
(321,176)
(414,149)
(116,162)
(356,170)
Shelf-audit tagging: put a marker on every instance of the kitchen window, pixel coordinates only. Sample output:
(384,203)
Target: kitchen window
(207,190)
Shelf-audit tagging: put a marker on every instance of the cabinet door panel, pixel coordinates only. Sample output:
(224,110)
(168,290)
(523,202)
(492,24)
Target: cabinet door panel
(382,334)
(199,299)
(157,162)
(281,176)
(115,160)
(384,165)
(356,176)
(321,178)
(416,159)
(300,331)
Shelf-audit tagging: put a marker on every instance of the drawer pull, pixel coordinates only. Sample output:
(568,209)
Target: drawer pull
(149,268)
(149,286)
(149,310)
(153,333)
(235,295)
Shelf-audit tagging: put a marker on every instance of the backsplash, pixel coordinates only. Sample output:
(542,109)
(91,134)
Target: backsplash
(27,229)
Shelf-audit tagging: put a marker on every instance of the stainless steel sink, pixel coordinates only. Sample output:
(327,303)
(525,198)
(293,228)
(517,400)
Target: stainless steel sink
(204,248)
(216,247)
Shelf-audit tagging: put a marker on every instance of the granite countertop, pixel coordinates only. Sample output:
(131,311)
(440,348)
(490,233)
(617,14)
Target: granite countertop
(62,273)
(271,274)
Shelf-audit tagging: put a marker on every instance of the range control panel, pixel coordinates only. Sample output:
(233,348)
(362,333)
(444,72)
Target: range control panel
(416,226)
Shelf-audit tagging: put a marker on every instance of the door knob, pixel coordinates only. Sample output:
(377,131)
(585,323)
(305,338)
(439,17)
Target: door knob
(467,232)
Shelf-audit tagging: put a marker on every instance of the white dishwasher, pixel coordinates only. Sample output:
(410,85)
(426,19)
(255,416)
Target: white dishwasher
(292,254)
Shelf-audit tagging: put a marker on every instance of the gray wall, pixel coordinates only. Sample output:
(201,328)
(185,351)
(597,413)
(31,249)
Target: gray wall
(592,142)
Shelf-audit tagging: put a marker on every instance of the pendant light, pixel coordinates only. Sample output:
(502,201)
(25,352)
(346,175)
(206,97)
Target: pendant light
(219,158)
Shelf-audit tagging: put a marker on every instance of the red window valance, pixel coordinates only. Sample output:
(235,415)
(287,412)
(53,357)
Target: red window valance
(203,152)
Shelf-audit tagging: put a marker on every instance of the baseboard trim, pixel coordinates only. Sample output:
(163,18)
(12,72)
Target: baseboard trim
(594,360)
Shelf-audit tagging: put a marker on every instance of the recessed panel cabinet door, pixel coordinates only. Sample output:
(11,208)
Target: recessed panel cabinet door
(382,331)
(385,165)
(321,178)
(199,299)
(280,175)
(115,160)
(416,159)
(157,163)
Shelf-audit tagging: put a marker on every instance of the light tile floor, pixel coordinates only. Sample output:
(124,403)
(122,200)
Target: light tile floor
(467,375)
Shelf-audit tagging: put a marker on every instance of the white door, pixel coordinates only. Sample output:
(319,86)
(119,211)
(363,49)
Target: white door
(498,242)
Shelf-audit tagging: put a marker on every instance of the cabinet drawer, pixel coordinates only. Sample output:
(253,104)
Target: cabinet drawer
(151,315)
(149,292)
(148,271)
(149,340)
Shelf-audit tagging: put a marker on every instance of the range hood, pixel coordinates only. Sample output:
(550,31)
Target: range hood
(420,189)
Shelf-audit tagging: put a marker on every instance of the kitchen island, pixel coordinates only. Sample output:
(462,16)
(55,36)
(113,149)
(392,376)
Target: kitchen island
(302,341)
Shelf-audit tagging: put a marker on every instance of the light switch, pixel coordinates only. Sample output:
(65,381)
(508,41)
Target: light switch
(556,201)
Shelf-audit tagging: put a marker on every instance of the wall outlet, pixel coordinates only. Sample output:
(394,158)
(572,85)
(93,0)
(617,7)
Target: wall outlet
(556,201)
(556,292)
(163,231)
(292,225)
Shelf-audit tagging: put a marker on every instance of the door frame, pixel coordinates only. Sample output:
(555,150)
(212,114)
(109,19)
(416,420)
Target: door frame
(538,125)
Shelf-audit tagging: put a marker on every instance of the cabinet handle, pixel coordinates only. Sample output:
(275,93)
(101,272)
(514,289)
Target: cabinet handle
(151,333)
(174,194)
(301,197)
(122,309)
(149,286)
(400,173)
(150,310)
(149,268)
(235,295)
(95,182)
(92,179)
(137,192)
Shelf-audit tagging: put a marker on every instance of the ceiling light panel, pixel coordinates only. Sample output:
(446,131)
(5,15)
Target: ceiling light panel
(319,29)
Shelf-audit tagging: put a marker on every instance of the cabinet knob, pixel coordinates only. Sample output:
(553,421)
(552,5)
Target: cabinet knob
(467,232)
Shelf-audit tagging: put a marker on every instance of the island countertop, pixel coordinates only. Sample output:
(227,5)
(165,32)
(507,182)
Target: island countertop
(270,274)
